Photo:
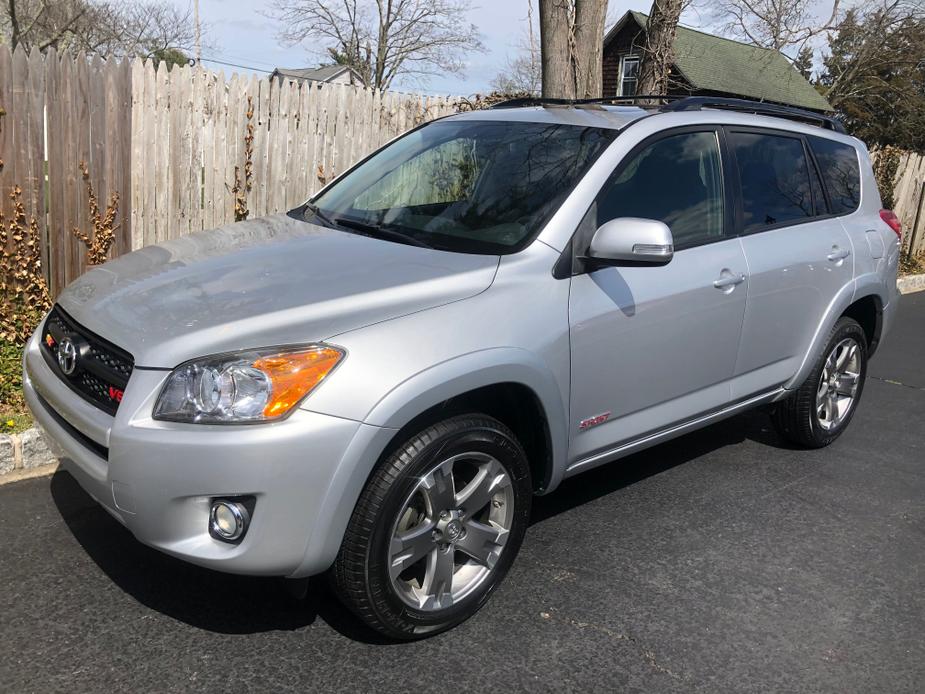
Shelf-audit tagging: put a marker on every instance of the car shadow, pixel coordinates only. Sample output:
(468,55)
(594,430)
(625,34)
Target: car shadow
(230,604)
(210,600)
(754,425)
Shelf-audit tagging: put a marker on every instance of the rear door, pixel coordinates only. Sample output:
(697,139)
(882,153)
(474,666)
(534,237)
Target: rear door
(799,255)
(841,174)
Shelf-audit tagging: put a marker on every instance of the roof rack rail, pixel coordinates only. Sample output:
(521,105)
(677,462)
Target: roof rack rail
(549,101)
(696,103)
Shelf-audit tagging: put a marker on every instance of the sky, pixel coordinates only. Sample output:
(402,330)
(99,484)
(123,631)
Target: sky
(240,33)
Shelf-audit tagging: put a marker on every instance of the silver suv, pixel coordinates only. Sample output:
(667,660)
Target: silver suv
(377,383)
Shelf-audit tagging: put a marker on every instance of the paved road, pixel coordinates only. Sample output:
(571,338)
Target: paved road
(723,561)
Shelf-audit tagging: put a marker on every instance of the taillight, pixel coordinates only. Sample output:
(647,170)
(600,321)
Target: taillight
(892,221)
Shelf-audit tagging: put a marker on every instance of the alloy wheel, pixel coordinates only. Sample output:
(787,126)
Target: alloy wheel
(450,531)
(838,385)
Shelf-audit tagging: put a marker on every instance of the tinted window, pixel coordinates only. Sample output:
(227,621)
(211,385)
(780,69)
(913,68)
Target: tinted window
(774,177)
(677,180)
(470,186)
(839,165)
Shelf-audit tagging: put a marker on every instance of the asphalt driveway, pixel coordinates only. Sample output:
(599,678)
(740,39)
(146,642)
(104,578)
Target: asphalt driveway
(722,561)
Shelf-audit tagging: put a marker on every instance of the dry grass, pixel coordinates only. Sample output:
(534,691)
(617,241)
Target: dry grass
(24,299)
(912,264)
(24,294)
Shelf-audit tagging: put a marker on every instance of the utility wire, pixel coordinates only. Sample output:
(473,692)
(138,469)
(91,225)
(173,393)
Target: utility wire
(207,59)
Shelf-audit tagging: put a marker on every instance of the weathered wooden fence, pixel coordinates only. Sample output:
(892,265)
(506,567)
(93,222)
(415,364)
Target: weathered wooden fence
(909,200)
(59,114)
(184,149)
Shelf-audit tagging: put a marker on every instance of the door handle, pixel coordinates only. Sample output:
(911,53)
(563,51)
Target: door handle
(729,280)
(838,254)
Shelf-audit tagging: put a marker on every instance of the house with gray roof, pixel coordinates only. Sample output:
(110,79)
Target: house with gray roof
(336,74)
(707,65)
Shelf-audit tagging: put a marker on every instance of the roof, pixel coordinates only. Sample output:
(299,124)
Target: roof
(325,73)
(591,115)
(716,64)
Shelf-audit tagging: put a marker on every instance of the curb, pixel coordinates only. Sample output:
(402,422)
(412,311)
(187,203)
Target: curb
(911,283)
(32,473)
(26,455)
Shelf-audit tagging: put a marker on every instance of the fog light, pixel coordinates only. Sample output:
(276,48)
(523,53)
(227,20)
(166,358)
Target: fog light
(228,520)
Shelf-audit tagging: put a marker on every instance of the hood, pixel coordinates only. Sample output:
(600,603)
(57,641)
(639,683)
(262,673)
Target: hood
(270,281)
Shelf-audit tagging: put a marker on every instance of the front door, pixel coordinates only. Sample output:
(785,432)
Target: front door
(652,346)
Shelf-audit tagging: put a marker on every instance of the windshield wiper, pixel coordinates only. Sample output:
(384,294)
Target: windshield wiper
(380,231)
(316,211)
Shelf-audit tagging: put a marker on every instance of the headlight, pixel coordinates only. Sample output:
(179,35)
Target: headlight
(252,386)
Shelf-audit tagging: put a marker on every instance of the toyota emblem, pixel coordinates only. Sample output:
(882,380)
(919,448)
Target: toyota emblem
(67,356)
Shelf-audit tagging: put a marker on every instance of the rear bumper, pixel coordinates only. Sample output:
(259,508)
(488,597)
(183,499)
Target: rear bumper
(158,478)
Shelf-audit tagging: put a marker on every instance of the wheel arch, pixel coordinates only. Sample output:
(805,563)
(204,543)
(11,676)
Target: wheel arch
(868,312)
(863,300)
(509,384)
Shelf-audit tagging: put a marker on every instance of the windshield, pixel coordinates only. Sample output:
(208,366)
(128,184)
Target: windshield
(467,186)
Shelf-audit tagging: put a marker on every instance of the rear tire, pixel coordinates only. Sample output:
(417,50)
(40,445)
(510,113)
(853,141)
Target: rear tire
(820,410)
(436,528)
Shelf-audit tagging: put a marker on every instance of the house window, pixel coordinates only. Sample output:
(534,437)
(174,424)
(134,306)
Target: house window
(629,74)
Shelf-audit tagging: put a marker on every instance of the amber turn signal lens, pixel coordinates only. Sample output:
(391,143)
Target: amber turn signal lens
(294,374)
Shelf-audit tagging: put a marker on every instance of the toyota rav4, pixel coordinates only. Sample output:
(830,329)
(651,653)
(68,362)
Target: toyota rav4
(376,383)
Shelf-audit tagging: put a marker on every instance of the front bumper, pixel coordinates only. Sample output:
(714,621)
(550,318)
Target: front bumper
(158,478)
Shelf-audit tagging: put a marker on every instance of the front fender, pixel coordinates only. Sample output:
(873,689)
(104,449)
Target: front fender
(403,403)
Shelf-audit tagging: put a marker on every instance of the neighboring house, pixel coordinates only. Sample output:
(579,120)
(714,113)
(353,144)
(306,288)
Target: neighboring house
(707,65)
(336,74)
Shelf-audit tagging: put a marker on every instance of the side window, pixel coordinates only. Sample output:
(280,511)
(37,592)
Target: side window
(774,177)
(840,171)
(677,180)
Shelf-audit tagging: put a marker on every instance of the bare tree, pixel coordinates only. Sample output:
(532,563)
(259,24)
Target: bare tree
(523,74)
(658,50)
(572,42)
(151,29)
(872,47)
(42,24)
(777,24)
(384,39)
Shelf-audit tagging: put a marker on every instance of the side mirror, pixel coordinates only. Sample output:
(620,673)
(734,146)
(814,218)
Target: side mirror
(632,241)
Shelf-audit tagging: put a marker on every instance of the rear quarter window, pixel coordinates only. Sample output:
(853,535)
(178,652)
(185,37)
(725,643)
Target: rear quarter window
(838,164)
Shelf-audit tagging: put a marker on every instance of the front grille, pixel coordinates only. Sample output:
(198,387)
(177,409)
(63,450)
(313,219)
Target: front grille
(100,370)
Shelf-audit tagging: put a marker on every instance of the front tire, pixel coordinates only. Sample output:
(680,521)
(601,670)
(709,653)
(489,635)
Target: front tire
(820,410)
(436,528)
